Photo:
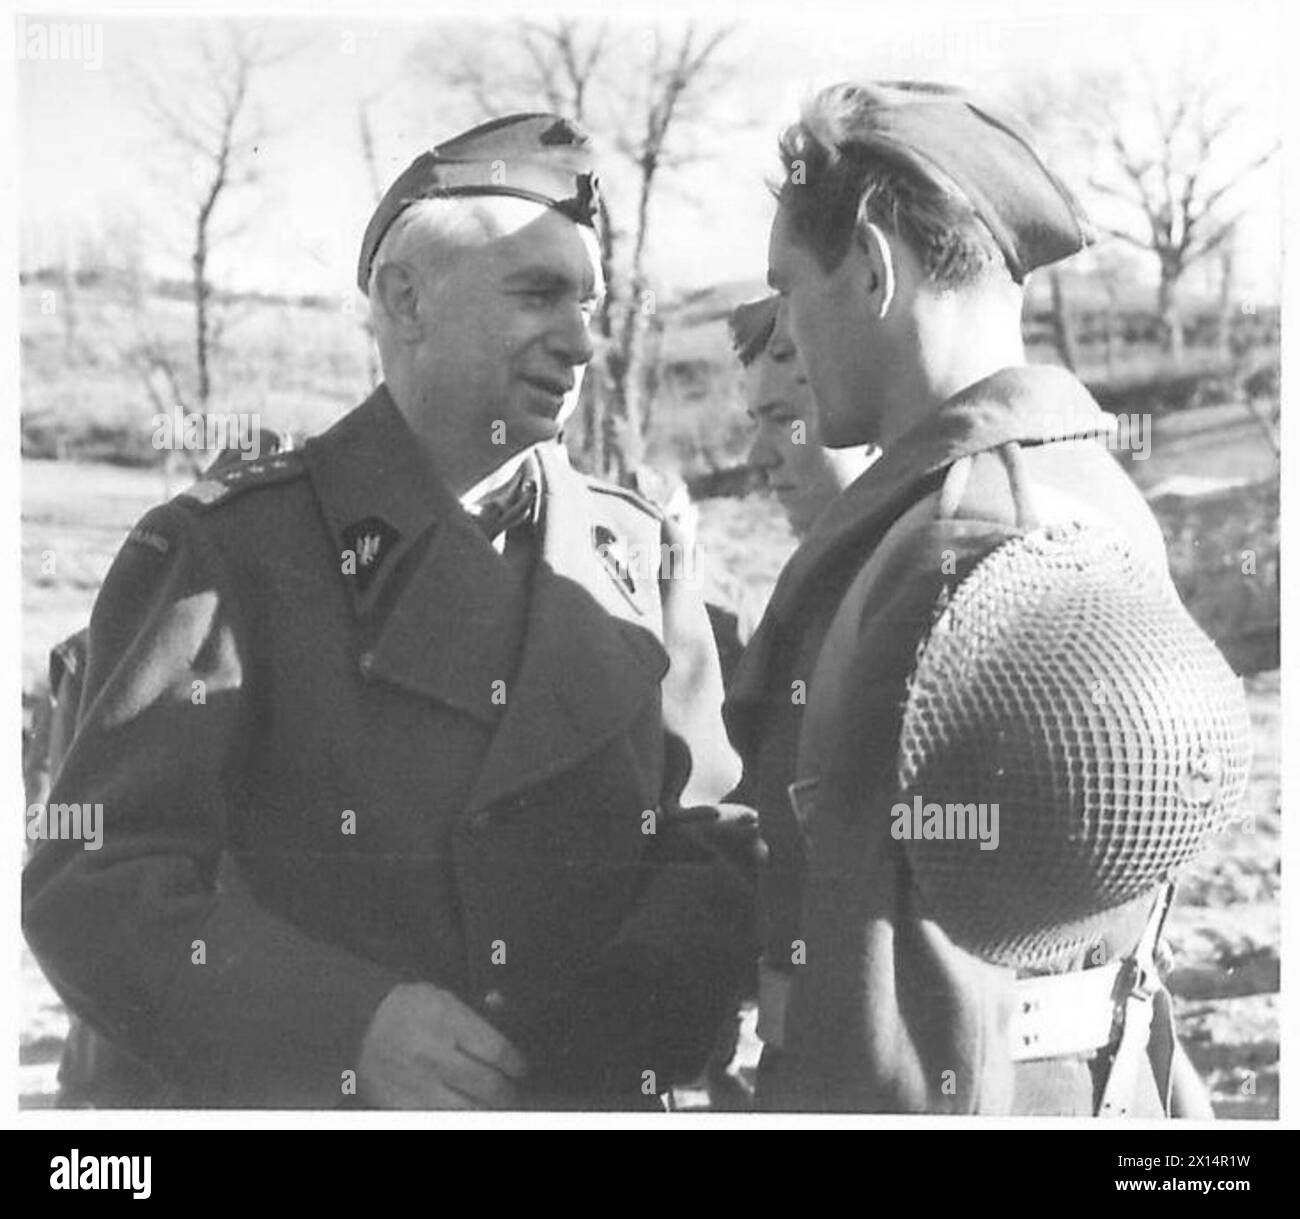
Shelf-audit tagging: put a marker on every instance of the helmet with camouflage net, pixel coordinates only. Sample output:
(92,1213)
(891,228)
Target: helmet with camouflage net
(1066,695)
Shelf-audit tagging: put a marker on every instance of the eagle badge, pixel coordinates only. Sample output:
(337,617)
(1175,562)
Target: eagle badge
(366,544)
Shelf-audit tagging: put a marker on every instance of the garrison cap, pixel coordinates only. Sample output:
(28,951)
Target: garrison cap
(541,157)
(751,327)
(969,145)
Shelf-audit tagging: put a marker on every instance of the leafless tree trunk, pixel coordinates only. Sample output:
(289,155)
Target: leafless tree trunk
(581,71)
(1171,176)
(1063,322)
(210,118)
(1171,155)
(672,72)
(1227,298)
(1171,318)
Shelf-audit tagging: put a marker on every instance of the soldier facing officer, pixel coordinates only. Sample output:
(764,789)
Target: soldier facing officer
(982,733)
(803,474)
(405,740)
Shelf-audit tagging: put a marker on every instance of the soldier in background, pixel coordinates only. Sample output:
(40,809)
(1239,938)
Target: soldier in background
(786,449)
(985,627)
(805,477)
(803,474)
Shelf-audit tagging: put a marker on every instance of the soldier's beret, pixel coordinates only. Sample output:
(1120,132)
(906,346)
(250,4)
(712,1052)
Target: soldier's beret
(964,143)
(751,328)
(542,157)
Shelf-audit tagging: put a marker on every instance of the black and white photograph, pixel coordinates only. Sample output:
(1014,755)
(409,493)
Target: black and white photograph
(694,565)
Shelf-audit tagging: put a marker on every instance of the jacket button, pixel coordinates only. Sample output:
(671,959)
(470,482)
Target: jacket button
(494,1001)
(366,663)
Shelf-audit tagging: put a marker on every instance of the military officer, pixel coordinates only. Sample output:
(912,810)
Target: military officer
(405,741)
(982,625)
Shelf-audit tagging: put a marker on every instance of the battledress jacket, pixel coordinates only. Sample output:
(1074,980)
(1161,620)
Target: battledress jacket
(880,1011)
(341,744)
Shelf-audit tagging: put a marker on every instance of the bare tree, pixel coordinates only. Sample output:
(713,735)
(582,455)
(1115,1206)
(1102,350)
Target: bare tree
(1227,266)
(642,93)
(673,75)
(211,119)
(1175,158)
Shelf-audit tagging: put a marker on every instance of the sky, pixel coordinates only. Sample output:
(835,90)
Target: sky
(91,167)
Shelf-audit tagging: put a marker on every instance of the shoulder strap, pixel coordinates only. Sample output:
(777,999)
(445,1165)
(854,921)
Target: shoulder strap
(945,497)
(830,672)
(227,479)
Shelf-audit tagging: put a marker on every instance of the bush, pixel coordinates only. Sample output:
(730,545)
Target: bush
(1223,556)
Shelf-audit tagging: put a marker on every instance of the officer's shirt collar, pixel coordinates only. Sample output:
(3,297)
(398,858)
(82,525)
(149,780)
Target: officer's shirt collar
(512,490)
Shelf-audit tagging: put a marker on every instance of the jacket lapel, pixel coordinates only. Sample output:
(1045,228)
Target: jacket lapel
(590,661)
(433,605)
(449,633)
(435,602)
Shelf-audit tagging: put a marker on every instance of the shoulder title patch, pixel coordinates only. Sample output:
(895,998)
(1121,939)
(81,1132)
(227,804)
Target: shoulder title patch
(149,537)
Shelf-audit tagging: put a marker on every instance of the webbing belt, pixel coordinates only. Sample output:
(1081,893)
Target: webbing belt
(1090,1009)
(1063,1014)
(1055,1016)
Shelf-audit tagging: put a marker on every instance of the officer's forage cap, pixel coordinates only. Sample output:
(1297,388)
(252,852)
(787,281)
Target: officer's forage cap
(541,157)
(968,145)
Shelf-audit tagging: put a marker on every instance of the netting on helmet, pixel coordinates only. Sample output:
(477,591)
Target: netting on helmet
(1066,685)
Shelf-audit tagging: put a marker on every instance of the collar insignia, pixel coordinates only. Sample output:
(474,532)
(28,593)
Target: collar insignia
(613,553)
(366,544)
